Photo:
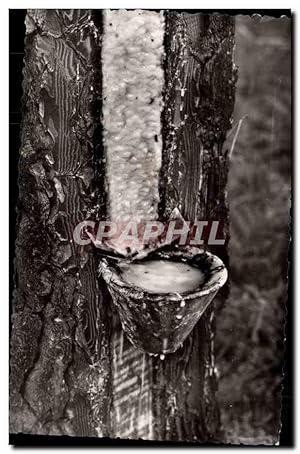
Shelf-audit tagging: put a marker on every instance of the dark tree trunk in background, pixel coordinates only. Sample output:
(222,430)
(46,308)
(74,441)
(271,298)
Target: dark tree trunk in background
(73,371)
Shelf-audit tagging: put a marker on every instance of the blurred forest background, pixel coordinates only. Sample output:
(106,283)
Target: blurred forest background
(249,342)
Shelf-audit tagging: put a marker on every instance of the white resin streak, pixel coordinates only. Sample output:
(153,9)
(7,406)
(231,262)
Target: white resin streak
(133,79)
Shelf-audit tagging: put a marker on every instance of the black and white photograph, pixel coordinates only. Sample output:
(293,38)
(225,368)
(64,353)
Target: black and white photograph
(150,212)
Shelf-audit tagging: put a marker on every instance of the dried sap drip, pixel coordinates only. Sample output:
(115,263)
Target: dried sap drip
(163,276)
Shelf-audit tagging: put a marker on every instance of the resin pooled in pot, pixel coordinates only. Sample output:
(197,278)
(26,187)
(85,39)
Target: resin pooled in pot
(163,276)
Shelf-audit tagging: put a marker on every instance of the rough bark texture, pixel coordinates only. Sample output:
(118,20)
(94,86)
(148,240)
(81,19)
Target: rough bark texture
(72,369)
(60,362)
(199,100)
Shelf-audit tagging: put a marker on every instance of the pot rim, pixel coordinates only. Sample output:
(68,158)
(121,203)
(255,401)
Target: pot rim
(111,276)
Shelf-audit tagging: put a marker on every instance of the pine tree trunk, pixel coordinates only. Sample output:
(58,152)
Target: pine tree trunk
(199,100)
(73,371)
(60,364)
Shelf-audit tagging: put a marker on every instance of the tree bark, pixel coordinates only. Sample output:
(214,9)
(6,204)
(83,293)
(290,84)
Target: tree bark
(199,100)
(60,355)
(73,371)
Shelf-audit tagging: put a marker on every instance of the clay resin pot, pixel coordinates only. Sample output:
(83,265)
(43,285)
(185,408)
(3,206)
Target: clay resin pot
(162,297)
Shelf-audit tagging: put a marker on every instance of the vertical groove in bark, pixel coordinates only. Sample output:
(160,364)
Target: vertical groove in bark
(133,78)
(131,387)
(199,100)
(60,360)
